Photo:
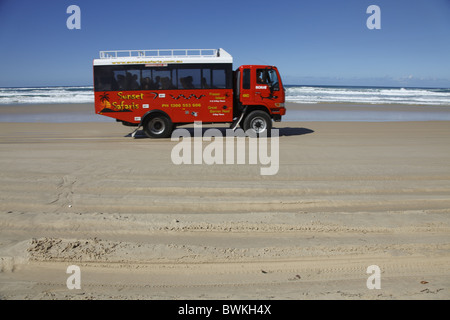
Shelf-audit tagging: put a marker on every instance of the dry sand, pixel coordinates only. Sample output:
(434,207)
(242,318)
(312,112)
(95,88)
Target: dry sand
(347,195)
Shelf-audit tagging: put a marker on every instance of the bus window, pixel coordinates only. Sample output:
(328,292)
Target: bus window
(206,78)
(162,77)
(273,79)
(133,79)
(140,77)
(219,78)
(147,80)
(268,76)
(189,78)
(103,79)
(120,78)
(246,79)
(261,76)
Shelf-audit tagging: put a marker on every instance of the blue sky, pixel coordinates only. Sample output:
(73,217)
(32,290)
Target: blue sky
(321,42)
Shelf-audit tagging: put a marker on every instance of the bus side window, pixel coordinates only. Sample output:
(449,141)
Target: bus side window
(219,78)
(146,80)
(246,79)
(189,78)
(172,77)
(103,79)
(206,78)
(133,79)
(162,77)
(261,76)
(120,79)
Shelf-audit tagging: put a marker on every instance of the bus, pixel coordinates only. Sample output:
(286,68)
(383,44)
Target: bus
(158,90)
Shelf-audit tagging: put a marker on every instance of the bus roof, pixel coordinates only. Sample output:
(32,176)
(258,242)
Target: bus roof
(163,56)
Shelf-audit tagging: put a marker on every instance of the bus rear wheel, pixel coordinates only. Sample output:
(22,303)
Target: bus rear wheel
(259,122)
(158,126)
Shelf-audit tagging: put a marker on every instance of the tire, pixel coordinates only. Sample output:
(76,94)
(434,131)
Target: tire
(259,122)
(158,126)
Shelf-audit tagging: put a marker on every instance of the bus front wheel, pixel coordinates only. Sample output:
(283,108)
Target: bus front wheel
(158,126)
(259,122)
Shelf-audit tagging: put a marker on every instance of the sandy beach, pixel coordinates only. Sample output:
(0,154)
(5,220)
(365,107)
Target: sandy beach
(347,195)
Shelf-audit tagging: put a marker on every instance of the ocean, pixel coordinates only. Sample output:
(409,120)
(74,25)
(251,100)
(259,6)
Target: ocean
(41,95)
(370,96)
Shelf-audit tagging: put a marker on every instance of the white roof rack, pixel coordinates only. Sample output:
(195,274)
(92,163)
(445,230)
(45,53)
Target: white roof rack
(164,56)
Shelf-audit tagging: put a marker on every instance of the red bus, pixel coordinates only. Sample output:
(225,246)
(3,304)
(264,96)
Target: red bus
(161,89)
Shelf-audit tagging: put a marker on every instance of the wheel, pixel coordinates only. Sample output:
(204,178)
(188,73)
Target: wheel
(259,122)
(158,126)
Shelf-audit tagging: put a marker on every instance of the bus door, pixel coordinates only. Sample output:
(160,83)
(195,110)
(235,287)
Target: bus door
(267,85)
(260,85)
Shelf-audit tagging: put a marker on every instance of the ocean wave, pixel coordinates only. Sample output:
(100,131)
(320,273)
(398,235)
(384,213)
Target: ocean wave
(38,95)
(298,94)
(309,94)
